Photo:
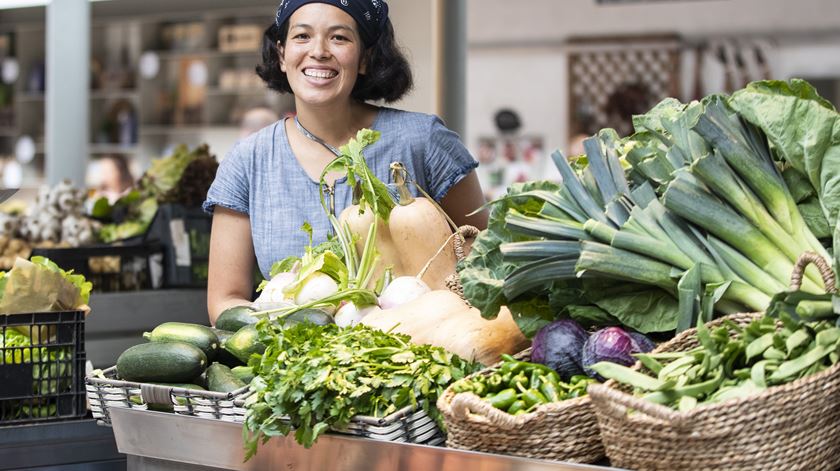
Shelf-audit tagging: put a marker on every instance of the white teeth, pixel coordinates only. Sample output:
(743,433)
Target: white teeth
(323,74)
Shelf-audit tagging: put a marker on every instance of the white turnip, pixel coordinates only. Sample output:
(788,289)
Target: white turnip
(402,290)
(317,286)
(349,315)
(273,291)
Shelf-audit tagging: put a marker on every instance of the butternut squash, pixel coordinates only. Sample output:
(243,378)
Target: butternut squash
(443,319)
(416,234)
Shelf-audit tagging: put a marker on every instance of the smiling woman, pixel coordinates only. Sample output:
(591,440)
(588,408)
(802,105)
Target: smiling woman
(335,57)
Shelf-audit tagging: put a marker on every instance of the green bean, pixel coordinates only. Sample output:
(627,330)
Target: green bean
(774,353)
(759,345)
(797,339)
(790,368)
(650,363)
(625,375)
(828,337)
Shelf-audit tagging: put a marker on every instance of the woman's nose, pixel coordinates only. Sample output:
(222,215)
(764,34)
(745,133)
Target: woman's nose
(320,49)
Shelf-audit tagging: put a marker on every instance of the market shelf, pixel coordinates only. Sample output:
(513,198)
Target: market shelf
(114,94)
(112,149)
(149,130)
(164,441)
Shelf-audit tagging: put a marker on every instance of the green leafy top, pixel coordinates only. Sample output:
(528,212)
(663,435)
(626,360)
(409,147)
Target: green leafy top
(804,130)
(321,376)
(374,192)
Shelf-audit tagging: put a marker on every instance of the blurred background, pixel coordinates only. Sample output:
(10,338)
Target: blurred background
(515,79)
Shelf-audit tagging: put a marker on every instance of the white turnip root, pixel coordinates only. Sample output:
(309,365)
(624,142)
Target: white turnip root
(317,286)
(402,290)
(273,291)
(349,315)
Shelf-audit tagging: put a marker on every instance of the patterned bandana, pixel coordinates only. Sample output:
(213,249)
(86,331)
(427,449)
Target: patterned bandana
(370,15)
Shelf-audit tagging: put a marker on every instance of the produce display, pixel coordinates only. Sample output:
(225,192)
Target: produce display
(183,177)
(39,285)
(57,219)
(703,211)
(519,387)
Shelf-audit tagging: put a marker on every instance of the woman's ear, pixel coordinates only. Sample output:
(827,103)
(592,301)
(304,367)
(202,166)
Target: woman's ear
(280,59)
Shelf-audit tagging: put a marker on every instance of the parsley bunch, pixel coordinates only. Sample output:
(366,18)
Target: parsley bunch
(315,377)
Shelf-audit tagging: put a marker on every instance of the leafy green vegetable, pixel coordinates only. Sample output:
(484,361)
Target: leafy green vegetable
(804,129)
(77,280)
(312,378)
(352,161)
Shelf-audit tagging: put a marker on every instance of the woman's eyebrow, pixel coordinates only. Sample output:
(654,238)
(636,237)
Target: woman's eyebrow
(331,28)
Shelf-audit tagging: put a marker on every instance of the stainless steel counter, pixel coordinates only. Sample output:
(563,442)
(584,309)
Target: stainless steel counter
(161,441)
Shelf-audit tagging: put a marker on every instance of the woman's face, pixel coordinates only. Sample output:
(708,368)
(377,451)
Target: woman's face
(322,56)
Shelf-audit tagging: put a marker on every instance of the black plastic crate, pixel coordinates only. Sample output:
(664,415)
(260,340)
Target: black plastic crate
(184,234)
(128,267)
(45,380)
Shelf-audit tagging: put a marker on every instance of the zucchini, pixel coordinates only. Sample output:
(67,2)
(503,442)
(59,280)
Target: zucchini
(315,316)
(236,317)
(244,343)
(164,362)
(223,356)
(221,379)
(244,373)
(200,336)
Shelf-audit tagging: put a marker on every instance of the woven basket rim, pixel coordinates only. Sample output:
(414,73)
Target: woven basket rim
(700,412)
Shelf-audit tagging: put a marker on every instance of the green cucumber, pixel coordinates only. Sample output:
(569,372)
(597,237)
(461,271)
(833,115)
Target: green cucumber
(221,379)
(315,316)
(223,356)
(244,373)
(165,362)
(236,317)
(244,343)
(201,336)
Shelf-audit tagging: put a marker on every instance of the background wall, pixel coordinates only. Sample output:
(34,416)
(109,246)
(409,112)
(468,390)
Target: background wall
(516,52)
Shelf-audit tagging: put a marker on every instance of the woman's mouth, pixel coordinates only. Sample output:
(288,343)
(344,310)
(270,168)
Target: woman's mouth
(320,73)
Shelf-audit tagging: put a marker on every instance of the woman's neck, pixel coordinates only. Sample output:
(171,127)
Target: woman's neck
(336,126)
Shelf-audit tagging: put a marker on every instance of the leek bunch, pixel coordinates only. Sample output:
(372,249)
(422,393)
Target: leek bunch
(702,213)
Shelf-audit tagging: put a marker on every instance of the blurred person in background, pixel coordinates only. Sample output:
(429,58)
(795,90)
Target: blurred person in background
(109,176)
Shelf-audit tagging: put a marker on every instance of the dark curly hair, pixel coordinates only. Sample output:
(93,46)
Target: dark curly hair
(388,75)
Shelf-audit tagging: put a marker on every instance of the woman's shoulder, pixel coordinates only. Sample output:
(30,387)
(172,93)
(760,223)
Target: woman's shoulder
(393,117)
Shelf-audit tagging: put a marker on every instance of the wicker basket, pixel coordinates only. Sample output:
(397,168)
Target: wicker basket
(566,431)
(794,426)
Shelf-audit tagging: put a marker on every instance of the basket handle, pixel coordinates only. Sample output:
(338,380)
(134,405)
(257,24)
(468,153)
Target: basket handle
(155,394)
(464,232)
(468,406)
(616,403)
(825,270)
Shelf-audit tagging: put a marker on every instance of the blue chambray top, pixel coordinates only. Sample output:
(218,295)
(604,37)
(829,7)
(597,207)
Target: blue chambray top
(260,177)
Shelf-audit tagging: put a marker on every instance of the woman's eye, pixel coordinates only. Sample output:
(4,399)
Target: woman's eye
(301,36)
(339,37)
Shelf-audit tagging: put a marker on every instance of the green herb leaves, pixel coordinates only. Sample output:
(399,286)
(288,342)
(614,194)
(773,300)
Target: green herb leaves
(313,378)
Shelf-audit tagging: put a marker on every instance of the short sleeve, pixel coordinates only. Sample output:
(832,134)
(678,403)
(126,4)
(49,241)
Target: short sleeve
(447,160)
(230,188)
